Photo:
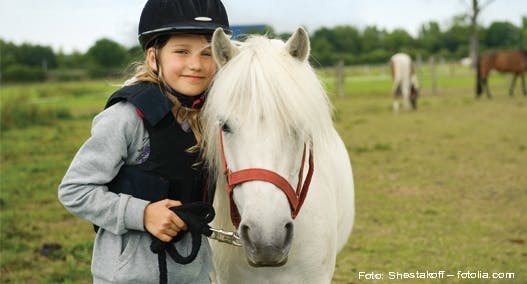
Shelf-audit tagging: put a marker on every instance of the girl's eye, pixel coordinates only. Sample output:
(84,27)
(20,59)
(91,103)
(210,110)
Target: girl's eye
(180,51)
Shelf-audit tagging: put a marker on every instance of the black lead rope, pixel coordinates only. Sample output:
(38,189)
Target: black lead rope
(196,215)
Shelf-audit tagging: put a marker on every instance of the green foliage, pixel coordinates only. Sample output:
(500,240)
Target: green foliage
(71,61)
(136,54)
(372,39)
(398,40)
(376,55)
(23,73)
(106,58)
(25,63)
(322,53)
(28,55)
(430,36)
(107,53)
(372,46)
(503,34)
(455,37)
(341,43)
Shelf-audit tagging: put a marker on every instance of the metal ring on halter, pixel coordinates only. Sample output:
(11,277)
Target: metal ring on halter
(227,237)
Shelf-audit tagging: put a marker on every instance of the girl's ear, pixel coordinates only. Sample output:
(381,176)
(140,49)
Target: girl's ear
(151,58)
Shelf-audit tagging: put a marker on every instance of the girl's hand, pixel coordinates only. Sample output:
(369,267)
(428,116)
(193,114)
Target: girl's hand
(161,222)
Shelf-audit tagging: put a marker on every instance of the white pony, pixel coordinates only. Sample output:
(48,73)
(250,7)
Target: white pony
(268,116)
(405,84)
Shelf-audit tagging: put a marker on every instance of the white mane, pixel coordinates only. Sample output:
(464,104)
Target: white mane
(264,82)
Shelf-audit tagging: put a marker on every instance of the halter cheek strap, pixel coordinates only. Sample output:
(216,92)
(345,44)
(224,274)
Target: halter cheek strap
(295,197)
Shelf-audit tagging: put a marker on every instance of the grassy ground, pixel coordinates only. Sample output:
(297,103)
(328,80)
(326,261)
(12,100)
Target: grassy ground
(443,188)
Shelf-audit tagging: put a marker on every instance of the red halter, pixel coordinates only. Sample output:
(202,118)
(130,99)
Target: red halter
(296,198)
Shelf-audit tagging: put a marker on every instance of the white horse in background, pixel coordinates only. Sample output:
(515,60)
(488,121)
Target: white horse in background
(405,85)
(267,115)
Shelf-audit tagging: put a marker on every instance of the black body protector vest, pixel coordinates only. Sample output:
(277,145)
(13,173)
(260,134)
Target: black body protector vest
(170,171)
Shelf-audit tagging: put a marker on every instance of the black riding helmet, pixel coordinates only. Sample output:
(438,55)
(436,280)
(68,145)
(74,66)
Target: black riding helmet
(164,17)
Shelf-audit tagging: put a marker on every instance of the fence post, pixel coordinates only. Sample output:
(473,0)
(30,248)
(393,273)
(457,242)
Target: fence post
(339,78)
(433,75)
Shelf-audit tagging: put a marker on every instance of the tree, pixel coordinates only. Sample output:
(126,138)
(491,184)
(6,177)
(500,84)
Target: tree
(8,54)
(455,38)
(397,40)
(106,57)
(28,55)
(372,38)
(321,50)
(474,46)
(136,54)
(36,56)
(430,36)
(107,53)
(26,62)
(523,35)
(322,47)
(503,34)
(373,50)
(74,60)
(346,39)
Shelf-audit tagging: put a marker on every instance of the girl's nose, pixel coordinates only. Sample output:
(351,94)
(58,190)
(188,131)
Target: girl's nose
(194,62)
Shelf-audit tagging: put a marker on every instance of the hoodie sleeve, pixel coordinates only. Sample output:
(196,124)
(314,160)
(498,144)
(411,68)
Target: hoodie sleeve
(117,134)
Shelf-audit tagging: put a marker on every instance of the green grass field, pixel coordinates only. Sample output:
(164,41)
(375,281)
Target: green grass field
(440,189)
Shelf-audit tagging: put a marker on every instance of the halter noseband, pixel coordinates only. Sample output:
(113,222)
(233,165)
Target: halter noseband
(295,197)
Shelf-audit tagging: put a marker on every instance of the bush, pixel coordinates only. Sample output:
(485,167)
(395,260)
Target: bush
(376,56)
(23,73)
(18,112)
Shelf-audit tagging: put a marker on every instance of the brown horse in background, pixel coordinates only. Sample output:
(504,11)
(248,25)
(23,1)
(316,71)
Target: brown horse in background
(513,61)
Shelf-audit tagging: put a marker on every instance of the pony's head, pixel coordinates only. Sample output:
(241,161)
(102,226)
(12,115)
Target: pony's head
(265,104)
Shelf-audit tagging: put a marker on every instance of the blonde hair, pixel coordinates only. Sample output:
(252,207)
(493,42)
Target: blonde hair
(145,73)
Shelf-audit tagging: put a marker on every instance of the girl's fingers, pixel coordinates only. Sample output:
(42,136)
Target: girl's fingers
(176,221)
(164,237)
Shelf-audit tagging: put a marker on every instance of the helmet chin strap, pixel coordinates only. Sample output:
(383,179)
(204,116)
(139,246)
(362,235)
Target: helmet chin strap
(194,102)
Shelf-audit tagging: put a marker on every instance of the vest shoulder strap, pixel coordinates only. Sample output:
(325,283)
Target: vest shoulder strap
(146,97)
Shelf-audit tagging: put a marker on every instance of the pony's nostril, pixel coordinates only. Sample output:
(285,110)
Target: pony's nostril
(289,232)
(244,234)
(244,230)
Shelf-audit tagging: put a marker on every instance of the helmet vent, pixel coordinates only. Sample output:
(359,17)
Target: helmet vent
(203,19)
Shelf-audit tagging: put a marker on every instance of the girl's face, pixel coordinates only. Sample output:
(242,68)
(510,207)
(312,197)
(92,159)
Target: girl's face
(186,63)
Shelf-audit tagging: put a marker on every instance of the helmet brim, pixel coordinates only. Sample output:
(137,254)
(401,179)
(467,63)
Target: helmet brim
(146,38)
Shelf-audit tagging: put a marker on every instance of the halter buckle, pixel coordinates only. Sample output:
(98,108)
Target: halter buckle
(227,237)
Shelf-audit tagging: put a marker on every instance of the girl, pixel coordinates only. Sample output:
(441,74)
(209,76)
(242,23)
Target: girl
(141,158)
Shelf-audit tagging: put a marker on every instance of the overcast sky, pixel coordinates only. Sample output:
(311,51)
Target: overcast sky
(76,24)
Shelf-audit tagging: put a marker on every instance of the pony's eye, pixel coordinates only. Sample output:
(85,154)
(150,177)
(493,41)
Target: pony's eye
(225,128)
(294,133)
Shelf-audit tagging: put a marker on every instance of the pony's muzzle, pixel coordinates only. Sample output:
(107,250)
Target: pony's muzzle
(264,249)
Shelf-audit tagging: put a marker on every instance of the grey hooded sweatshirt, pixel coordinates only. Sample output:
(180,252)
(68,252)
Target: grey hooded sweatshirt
(121,252)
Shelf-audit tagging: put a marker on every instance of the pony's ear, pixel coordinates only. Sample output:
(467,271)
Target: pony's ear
(223,49)
(298,44)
